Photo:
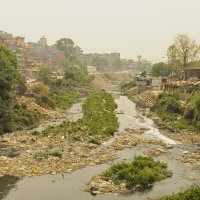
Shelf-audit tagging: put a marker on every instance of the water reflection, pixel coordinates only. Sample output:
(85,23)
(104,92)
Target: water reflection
(6,184)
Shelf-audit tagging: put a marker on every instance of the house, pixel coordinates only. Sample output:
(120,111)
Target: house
(192,74)
(91,69)
(142,82)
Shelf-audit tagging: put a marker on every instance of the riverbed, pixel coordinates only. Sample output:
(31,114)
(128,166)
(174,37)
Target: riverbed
(68,186)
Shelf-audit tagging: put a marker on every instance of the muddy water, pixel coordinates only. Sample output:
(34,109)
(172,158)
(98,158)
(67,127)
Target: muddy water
(51,187)
(72,114)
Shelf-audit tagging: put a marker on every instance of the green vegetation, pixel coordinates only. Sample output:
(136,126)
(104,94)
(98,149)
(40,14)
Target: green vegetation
(22,117)
(192,193)
(68,47)
(77,75)
(141,172)
(47,153)
(99,114)
(45,75)
(60,93)
(169,109)
(160,69)
(8,85)
(167,106)
(99,120)
(127,86)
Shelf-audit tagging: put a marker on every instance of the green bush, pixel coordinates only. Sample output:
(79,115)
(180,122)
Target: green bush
(126,86)
(23,117)
(99,120)
(99,115)
(141,172)
(47,153)
(192,193)
(167,103)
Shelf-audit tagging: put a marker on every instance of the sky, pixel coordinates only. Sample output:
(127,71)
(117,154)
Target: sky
(130,27)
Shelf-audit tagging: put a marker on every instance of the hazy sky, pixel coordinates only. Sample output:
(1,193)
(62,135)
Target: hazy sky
(131,27)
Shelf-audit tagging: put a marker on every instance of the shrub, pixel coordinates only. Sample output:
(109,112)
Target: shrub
(142,172)
(192,193)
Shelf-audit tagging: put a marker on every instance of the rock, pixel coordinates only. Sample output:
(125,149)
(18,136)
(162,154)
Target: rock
(185,152)
(168,146)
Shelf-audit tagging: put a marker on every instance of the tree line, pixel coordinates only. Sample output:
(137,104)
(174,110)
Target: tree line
(183,53)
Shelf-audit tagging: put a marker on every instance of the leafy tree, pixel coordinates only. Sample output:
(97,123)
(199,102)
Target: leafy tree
(77,75)
(67,45)
(185,50)
(160,69)
(100,62)
(8,73)
(173,62)
(22,88)
(45,75)
(8,85)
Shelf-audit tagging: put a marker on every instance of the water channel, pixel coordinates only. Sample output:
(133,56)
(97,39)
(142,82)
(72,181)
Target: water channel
(51,187)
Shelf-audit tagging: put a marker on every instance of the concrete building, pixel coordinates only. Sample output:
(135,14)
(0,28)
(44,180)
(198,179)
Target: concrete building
(43,41)
(20,42)
(192,73)
(91,69)
(143,81)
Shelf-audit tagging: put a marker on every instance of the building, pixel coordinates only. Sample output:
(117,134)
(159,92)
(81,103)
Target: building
(43,41)
(91,69)
(192,74)
(110,58)
(20,42)
(143,81)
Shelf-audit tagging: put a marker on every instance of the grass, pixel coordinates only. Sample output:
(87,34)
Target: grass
(99,120)
(125,86)
(47,153)
(142,172)
(170,111)
(192,193)
(63,98)
(23,117)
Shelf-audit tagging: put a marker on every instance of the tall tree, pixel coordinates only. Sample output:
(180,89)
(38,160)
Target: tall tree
(174,62)
(8,86)
(45,74)
(185,50)
(67,45)
(160,69)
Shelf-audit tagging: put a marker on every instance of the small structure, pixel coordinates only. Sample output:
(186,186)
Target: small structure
(142,82)
(158,82)
(91,69)
(43,41)
(192,74)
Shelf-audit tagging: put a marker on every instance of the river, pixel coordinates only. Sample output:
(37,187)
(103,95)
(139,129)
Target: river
(62,187)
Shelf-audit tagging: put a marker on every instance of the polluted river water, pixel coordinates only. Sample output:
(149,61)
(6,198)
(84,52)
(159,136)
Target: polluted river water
(68,186)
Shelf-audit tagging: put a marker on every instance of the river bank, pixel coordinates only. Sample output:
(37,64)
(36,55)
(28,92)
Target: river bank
(136,136)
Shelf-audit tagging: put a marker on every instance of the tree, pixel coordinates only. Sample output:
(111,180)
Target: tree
(8,86)
(77,75)
(173,62)
(67,45)
(8,73)
(185,50)
(22,88)
(45,75)
(160,69)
